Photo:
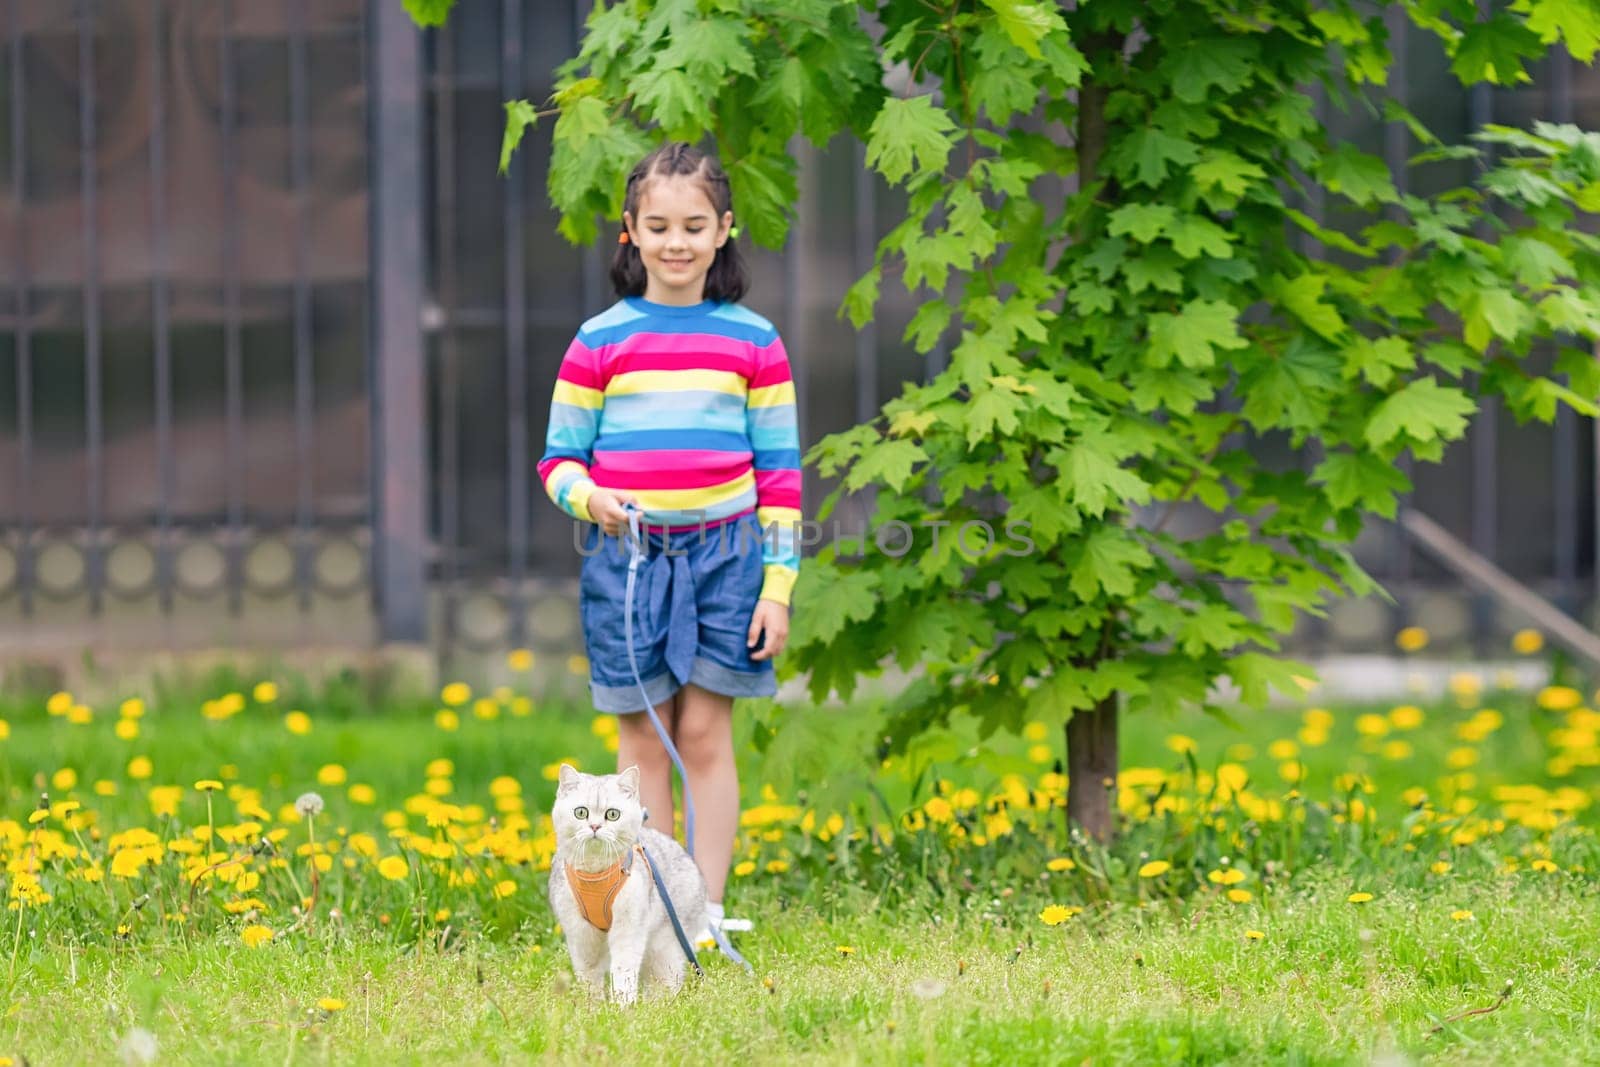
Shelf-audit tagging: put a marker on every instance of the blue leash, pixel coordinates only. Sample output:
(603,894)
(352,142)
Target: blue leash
(635,541)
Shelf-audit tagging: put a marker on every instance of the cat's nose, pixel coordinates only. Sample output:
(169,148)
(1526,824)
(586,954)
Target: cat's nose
(595,827)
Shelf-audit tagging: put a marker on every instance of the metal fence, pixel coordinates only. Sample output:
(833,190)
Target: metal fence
(277,342)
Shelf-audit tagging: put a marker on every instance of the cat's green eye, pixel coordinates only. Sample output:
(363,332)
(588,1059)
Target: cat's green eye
(612,815)
(582,813)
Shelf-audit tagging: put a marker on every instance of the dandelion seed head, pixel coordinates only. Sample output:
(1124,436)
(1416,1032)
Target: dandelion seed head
(308,805)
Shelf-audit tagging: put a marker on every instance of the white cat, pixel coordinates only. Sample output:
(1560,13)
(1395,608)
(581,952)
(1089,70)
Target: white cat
(602,891)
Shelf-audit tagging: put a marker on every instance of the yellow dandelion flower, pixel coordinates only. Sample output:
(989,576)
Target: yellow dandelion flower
(297,722)
(445,719)
(1406,716)
(1054,915)
(1060,863)
(1231,876)
(140,768)
(1359,898)
(1559,698)
(1283,749)
(456,694)
(1440,867)
(361,793)
(439,768)
(332,774)
(744,869)
(1396,750)
(1411,639)
(1460,758)
(38,815)
(132,708)
(394,867)
(64,779)
(1240,896)
(1545,866)
(208,785)
(1461,915)
(256,935)
(442,915)
(59,703)
(1040,754)
(105,788)
(505,786)
(504,888)
(1372,725)
(1527,642)
(1254,935)
(330,1004)
(265,692)
(1181,743)
(1035,731)
(846,950)
(938,809)
(777,866)
(126,729)
(1154,869)
(520,659)
(486,708)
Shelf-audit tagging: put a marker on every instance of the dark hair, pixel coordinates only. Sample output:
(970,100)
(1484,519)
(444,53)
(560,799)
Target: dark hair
(726,281)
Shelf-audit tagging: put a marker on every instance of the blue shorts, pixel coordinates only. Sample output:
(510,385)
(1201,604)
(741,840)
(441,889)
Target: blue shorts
(693,598)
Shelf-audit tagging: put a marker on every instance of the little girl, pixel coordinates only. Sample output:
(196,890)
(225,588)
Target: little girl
(678,400)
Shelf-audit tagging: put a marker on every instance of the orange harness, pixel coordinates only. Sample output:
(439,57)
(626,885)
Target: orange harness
(596,891)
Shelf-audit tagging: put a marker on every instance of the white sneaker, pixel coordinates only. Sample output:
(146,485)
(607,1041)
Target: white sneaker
(737,926)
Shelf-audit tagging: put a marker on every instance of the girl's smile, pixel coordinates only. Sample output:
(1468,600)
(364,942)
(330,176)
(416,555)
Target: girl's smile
(677,233)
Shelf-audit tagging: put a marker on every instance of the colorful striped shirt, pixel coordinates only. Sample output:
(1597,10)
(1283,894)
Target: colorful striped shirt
(692,410)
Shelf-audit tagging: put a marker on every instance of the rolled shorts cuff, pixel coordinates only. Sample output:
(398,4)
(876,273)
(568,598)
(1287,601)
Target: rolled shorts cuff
(708,674)
(622,699)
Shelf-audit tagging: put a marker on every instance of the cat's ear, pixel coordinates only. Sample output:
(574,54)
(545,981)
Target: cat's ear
(628,781)
(568,779)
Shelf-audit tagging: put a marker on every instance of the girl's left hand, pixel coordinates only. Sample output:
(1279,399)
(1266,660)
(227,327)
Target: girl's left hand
(773,618)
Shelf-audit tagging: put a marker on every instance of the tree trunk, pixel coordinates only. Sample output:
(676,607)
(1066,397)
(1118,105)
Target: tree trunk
(1092,735)
(1092,770)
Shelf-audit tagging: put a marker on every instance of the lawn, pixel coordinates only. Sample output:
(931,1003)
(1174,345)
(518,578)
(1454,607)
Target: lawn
(1316,885)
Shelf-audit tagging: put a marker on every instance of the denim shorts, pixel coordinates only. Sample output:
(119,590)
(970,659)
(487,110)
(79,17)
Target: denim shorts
(693,598)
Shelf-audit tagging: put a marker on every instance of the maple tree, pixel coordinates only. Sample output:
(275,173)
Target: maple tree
(1117,351)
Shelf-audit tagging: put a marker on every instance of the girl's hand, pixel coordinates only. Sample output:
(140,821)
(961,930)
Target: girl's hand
(605,507)
(773,618)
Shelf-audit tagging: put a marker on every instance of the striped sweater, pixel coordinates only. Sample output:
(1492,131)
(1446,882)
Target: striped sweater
(692,410)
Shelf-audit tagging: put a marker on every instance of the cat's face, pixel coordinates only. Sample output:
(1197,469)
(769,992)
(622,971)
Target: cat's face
(598,813)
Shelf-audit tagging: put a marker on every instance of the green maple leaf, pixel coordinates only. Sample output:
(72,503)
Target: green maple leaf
(1494,313)
(1424,411)
(1221,168)
(1109,559)
(1176,389)
(831,599)
(1194,334)
(1026,23)
(1211,626)
(709,49)
(1378,360)
(1494,50)
(1535,263)
(991,409)
(429,12)
(1092,478)
(520,114)
(1302,296)
(1578,21)
(1145,222)
(1256,674)
(1362,177)
(675,99)
(1568,309)
(1196,235)
(763,186)
(1147,153)
(1361,479)
(862,297)
(888,462)
(782,95)
(1222,62)
(909,133)
(1158,268)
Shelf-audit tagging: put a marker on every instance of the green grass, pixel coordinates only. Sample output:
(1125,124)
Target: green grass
(949,963)
(1128,989)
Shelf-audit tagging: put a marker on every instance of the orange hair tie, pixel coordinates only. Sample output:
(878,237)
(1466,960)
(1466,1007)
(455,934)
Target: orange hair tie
(622,238)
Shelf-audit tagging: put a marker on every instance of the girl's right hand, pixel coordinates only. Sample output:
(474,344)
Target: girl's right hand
(605,507)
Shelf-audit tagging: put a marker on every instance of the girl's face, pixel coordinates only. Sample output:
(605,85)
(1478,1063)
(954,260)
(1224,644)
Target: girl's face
(677,232)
